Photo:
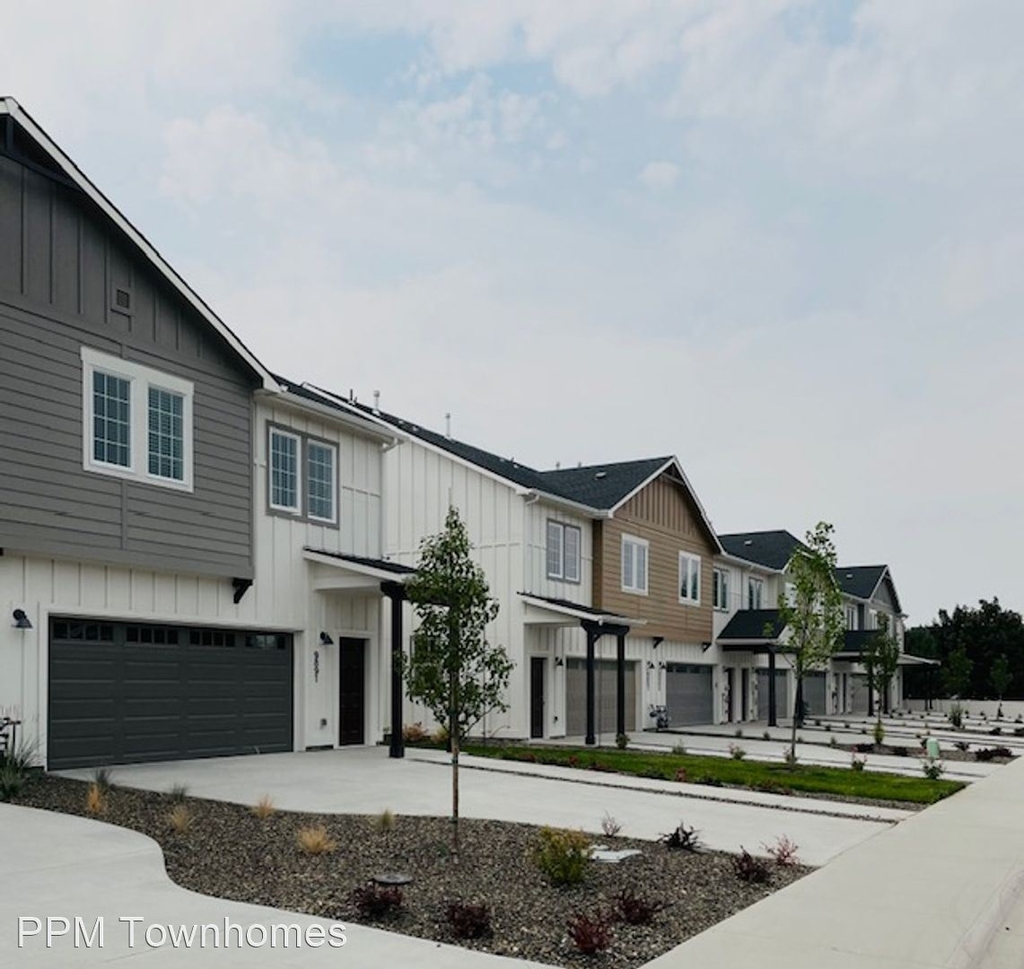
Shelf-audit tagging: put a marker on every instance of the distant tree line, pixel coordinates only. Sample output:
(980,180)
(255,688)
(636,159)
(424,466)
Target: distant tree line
(981,651)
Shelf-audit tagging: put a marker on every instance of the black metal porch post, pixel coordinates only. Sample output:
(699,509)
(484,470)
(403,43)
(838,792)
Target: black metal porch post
(396,593)
(772,718)
(593,634)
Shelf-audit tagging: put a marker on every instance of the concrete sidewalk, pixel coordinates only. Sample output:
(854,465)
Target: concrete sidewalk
(943,889)
(59,865)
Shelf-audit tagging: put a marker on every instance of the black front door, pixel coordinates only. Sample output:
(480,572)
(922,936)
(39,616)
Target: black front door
(351,653)
(745,691)
(537,696)
(730,695)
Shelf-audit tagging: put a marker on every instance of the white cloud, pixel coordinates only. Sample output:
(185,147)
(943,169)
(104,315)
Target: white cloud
(659,174)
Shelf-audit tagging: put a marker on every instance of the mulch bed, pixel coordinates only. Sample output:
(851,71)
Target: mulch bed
(229,852)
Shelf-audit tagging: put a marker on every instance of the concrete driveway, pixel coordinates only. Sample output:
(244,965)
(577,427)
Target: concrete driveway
(365,781)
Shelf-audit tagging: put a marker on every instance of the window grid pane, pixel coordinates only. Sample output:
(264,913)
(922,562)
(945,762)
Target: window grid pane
(320,478)
(554,553)
(111,419)
(641,568)
(572,553)
(166,434)
(284,471)
(627,565)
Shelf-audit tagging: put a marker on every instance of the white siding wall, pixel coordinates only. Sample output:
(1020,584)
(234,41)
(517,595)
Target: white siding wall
(535,578)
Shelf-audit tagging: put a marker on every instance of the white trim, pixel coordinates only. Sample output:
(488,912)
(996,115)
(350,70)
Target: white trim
(140,379)
(295,509)
(356,568)
(634,588)
(603,618)
(9,106)
(749,563)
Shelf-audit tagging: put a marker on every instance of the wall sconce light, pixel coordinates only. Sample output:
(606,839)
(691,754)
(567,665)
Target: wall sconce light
(326,640)
(559,661)
(661,666)
(650,665)
(21,621)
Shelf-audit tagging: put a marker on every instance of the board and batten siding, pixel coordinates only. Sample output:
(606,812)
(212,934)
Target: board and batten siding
(535,578)
(60,263)
(666,518)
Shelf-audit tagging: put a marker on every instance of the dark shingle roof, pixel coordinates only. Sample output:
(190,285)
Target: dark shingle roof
(771,549)
(859,580)
(750,624)
(854,640)
(579,607)
(602,485)
(384,565)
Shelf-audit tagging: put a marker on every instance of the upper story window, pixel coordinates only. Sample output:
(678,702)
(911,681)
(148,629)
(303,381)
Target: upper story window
(851,616)
(563,551)
(634,565)
(137,421)
(689,578)
(755,592)
(302,476)
(720,589)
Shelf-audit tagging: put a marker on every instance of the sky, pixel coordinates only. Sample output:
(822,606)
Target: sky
(781,239)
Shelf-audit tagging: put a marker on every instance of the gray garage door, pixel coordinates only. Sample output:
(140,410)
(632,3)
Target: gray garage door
(782,707)
(688,694)
(124,693)
(858,693)
(814,693)
(604,700)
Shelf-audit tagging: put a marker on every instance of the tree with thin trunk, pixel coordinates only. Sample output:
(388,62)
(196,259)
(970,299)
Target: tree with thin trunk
(812,611)
(881,658)
(452,668)
(1000,676)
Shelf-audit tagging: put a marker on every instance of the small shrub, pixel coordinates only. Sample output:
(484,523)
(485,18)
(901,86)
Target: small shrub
(995,731)
(314,839)
(622,740)
(179,818)
(591,933)
(990,753)
(373,901)
(102,778)
(799,739)
(817,723)
(790,757)
(864,730)
(679,749)
(682,839)
(739,732)
(12,780)
(832,742)
(783,851)
(962,745)
(828,728)
(385,821)
(440,736)
(178,792)
(899,751)
(95,800)
(573,760)
(610,826)
(1018,731)
(636,909)
(264,807)
(956,716)
(1019,718)
(857,762)
(767,735)
(469,920)
(750,869)
(736,752)
(864,748)
(878,732)
(933,769)
(681,775)
(846,724)
(562,855)
(414,733)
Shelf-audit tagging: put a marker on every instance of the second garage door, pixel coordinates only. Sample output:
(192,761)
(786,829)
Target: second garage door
(814,693)
(688,694)
(782,705)
(604,700)
(125,693)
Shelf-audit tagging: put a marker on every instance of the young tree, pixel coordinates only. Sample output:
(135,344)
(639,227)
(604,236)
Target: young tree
(1001,677)
(812,611)
(453,670)
(881,658)
(957,673)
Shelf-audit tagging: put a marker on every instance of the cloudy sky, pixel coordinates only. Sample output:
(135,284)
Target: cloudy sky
(782,239)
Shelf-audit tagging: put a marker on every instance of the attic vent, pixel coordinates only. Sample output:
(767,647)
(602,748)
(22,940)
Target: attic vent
(122,299)
(748,541)
(849,575)
(601,474)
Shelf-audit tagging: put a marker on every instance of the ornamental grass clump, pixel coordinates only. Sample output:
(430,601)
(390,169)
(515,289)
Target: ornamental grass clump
(264,807)
(315,840)
(95,800)
(179,818)
(562,855)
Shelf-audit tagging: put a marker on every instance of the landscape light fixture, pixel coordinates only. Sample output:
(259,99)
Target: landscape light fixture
(326,640)
(21,621)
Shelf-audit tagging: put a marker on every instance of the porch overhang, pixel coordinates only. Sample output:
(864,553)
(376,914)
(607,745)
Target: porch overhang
(353,573)
(543,611)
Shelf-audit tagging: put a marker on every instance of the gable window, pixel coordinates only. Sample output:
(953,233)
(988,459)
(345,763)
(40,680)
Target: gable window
(689,578)
(634,565)
(720,590)
(851,616)
(284,471)
(563,551)
(137,421)
(755,593)
(320,477)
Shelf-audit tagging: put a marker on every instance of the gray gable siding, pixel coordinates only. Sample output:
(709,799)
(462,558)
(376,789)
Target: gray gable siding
(59,262)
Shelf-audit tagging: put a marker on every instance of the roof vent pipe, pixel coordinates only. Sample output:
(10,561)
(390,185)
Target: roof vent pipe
(448,425)
(351,395)
(376,402)
(558,465)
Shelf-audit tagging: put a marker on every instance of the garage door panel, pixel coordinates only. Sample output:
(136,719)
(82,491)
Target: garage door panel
(688,693)
(605,693)
(783,706)
(814,693)
(121,701)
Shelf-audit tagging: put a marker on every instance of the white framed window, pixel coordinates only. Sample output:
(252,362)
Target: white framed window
(137,421)
(755,592)
(634,564)
(563,551)
(321,479)
(689,578)
(720,589)
(285,471)
(851,616)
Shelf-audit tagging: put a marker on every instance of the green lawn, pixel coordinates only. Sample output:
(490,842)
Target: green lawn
(753,774)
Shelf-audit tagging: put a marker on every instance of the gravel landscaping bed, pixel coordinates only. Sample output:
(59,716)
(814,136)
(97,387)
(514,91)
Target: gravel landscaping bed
(229,852)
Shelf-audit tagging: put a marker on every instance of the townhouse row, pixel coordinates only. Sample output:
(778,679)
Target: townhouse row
(200,557)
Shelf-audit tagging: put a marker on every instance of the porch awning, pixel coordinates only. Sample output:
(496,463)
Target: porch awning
(545,611)
(354,572)
(752,630)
